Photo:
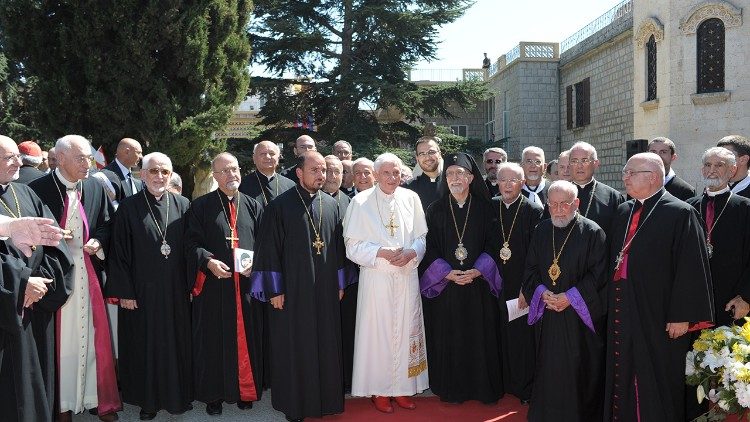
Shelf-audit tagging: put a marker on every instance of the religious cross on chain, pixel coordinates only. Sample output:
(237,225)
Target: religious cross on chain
(231,237)
(318,244)
(392,226)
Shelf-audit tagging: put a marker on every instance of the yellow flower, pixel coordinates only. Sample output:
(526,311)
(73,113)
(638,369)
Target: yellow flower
(700,346)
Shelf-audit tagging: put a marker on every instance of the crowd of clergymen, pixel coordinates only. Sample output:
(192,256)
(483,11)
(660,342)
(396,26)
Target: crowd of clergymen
(337,276)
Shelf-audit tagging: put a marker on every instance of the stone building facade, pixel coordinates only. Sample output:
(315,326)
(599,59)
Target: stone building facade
(594,85)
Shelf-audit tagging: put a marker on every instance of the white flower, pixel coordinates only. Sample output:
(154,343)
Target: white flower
(724,405)
(742,391)
(689,365)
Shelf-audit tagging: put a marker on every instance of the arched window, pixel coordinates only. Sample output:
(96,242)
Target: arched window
(651,69)
(711,56)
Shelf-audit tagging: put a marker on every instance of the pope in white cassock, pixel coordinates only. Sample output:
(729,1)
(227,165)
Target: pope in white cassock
(384,231)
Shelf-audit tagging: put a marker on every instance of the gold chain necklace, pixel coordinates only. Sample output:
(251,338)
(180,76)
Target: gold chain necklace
(709,245)
(591,199)
(461,253)
(232,229)
(392,226)
(554,269)
(317,244)
(165,248)
(265,199)
(505,252)
(15,198)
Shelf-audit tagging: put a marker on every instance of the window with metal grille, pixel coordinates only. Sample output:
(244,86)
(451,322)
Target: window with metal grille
(710,56)
(651,69)
(583,103)
(569,106)
(459,130)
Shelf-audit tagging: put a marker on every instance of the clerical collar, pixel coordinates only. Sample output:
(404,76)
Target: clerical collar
(380,192)
(157,198)
(741,185)
(643,201)
(584,186)
(5,186)
(67,183)
(537,188)
(718,192)
(492,182)
(669,176)
(332,194)
(507,206)
(266,177)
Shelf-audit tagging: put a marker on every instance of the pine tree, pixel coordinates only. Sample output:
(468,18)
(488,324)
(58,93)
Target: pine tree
(16,111)
(167,73)
(329,58)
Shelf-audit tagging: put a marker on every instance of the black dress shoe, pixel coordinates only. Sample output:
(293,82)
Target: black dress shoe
(214,408)
(244,405)
(94,411)
(146,416)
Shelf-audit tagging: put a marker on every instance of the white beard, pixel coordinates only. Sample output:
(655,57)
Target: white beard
(562,222)
(712,182)
(233,185)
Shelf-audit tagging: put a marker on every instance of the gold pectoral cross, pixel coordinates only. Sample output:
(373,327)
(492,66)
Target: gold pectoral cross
(231,237)
(318,244)
(392,226)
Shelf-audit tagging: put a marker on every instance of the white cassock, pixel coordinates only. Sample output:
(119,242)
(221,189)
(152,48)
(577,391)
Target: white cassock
(77,353)
(389,343)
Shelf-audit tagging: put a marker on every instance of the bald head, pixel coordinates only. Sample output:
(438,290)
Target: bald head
(129,152)
(643,175)
(304,143)
(10,160)
(347,181)
(266,157)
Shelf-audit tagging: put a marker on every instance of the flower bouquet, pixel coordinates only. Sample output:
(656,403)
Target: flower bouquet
(719,365)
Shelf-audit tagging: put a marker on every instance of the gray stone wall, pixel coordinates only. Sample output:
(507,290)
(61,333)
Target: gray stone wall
(609,65)
(474,118)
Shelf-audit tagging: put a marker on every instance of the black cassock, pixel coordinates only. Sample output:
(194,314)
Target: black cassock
(155,356)
(425,188)
(516,337)
(461,322)
(27,336)
(569,373)
(680,189)
(603,204)
(666,279)
(259,187)
(348,302)
(730,237)
(219,373)
(306,334)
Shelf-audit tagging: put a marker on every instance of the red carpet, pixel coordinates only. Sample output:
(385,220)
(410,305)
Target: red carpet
(431,409)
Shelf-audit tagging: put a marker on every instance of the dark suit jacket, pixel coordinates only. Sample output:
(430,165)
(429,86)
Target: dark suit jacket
(119,181)
(680,189)
(97,206)
(27,173)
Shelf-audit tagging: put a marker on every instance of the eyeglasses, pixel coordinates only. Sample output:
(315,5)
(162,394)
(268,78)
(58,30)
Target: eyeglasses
(584,161)
(629,173)
(491,161)
(431,153)
(560,205)
(12,157)
(456,173)
(227,171)
(534,162)
(514,181)
(84,159)
(306,147)
(154,171)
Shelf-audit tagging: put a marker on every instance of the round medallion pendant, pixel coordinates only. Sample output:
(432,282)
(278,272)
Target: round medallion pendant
(461,253)
(165,249)
(709,249)
(505,253)
(554,272)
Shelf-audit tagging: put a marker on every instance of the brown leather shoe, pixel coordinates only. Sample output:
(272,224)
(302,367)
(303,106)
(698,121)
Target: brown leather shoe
(109,417)
(65,416)
(382,403)
(405,402)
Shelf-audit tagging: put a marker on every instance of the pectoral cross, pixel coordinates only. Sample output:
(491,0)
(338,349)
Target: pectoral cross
(318,244)
(392,226)
(231,238)
(618,261)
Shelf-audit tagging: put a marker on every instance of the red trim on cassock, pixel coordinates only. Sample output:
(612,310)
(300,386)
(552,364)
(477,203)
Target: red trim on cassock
(700,325)
(200,278)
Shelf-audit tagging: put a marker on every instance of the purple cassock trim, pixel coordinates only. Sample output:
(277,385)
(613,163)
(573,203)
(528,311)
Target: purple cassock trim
(488,267)
(433,280)
(266,284)
(536,306)
(347,276)
(577,302)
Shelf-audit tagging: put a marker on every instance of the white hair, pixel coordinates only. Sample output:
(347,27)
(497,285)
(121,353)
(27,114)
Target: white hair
(342,142)
(274,146)
(387,157)
(30,160)
(496,150)
(564,186)
(65,143)
(723,154)
(146,160)
(511,166)
(586,147)
(364,161)
(175,180)
(532,149)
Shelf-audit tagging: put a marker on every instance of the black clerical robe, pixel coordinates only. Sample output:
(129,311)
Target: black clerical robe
(541,193)
(679,188)
(306,334)
(742,187)
(426,188)
(600,207)
(569,373)
(227,323)
(493,188)
(27,339)
(461,322)
(516,337)
(155,357)
(291,173)
(263,189)
(349,191)
(664,278)
(730,239)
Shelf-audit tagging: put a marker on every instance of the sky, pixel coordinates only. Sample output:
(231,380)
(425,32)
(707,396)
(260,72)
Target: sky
(496,26)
